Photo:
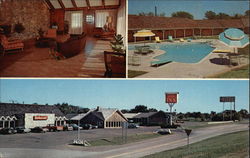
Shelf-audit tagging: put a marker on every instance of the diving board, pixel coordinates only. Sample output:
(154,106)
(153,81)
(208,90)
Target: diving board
(159,62)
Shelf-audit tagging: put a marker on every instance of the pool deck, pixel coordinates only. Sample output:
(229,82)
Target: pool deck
(202,69)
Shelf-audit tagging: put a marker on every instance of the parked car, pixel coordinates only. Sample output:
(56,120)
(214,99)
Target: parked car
(22,130)
(67,128)
(39,130)
(75,127)
(8,131)
(86,126)
(164,131)
(53,128)
(133,125)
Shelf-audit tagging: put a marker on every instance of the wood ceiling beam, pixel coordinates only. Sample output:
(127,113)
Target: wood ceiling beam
(88,4)
(49,4)
(74,3)
(61,4)
(94,8)
(103,3)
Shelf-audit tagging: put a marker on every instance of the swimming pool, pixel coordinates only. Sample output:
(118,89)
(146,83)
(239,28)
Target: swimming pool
(183,52)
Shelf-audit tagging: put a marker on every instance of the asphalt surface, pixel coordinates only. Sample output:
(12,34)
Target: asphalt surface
(132,150)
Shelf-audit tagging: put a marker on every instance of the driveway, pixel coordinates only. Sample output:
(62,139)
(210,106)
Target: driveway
(134,150)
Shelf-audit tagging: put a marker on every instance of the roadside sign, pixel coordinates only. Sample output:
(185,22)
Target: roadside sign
(227,99)
(188,131)
(171,97)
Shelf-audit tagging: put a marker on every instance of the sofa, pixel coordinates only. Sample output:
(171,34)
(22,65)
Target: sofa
(74,45)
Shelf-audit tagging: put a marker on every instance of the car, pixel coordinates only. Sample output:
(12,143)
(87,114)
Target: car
(67,128)
(133,125)
(39,130)
(86,126)
(164,131)
(22,130)
(8,131)
(53,128)
(75,127)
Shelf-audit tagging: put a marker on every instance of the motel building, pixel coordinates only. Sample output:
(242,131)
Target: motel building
(101,117)
(29,116)
(181,27)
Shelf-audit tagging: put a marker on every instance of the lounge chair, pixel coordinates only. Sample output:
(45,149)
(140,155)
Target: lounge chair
(189,40)
(222,51)
(170,39)
(181,40)
(11,44)
(157,39)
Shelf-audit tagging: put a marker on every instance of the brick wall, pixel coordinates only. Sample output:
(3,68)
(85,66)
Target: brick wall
(33,14)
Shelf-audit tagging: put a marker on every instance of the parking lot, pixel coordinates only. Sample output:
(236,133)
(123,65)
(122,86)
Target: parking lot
(61,140)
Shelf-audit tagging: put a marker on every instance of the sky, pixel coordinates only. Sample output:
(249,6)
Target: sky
(194,95)
(196,7)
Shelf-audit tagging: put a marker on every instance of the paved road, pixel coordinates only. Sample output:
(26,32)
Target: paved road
(133,150)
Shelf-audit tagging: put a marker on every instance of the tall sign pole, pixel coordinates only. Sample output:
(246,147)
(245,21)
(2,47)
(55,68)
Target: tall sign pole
(228,99)
(171,98)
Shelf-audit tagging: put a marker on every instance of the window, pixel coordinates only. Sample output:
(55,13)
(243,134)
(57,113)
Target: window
(90,19)
(76,20)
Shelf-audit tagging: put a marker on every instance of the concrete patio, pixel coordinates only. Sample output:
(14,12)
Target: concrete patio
(206,67)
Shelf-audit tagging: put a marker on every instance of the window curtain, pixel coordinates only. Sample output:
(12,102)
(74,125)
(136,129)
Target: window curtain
(75,19)
(101,17)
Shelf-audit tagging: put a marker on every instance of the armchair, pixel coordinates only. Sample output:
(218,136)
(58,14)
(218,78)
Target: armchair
(11,44)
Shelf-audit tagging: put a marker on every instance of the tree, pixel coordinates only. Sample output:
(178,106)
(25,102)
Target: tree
(237,16)
(247,13)
(125,111)
(243,113)
(139,108)
(210,15)
(182,14)
(162,14)
(223,16)
(152,110)
(151,14)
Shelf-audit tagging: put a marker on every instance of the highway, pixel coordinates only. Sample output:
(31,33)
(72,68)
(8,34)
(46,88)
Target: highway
(133,150)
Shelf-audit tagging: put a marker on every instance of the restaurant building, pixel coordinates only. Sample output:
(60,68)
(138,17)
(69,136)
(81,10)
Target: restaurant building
(29,116)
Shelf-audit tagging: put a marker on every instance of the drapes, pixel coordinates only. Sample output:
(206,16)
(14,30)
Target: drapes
(75,19)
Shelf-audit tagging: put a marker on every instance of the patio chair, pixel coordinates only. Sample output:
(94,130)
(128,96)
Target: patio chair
(181,40)
(9,45)
(170,39)
(115,64)
(157,39)
(51,33)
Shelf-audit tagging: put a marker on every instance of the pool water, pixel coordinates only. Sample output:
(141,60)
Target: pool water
(183,52)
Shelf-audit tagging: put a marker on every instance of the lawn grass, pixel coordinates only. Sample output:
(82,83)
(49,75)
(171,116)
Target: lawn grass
(233,145)
(241,72)
(119,140)
(132,73)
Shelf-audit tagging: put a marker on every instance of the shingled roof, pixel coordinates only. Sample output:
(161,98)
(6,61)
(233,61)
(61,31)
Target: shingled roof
(136,22)
(10,109)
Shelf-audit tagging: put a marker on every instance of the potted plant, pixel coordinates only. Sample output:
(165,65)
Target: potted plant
(117,44)
(19,28)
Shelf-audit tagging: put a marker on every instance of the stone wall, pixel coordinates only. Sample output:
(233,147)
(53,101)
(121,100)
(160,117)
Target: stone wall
(33,14)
